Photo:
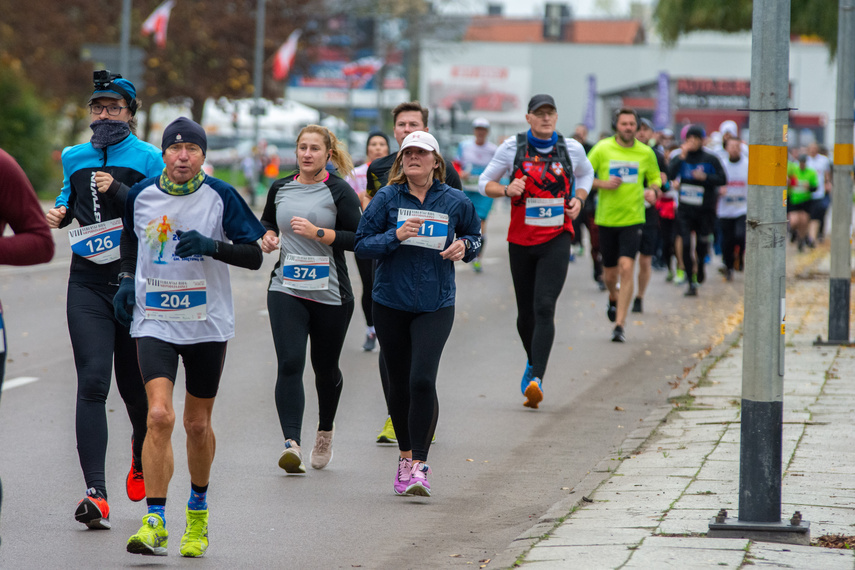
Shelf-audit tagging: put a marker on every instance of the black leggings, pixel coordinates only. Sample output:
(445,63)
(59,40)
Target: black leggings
(538,272)
(294,321)
(667,234)
(412,346)
(99,342)
(732,235)
(700,222)
(366,274)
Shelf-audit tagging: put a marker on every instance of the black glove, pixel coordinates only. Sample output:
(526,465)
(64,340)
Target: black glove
(193,243)
(124,301)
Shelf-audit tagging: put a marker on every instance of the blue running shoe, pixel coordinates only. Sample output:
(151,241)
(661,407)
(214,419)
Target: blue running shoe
(526,378)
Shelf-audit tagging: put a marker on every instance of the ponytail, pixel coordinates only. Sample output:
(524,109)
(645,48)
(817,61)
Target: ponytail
(338,154)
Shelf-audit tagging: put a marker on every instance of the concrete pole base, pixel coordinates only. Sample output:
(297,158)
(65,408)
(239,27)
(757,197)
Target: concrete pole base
(782,532)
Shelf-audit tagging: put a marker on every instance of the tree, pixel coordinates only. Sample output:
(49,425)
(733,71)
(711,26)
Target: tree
(817,18)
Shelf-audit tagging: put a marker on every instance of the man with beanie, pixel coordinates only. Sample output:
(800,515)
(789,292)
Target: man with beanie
(96,177)
(697,174)
(180,231)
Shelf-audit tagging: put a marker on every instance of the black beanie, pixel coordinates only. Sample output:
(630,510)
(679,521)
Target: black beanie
(373,134)
(183,130)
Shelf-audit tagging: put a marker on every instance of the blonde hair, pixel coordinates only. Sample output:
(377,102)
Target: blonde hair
(397,176)
(337,149)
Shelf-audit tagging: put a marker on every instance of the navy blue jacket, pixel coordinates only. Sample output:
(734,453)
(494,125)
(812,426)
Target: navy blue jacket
(415,279)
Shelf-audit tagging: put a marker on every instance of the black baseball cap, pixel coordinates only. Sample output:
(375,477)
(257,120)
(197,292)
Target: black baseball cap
(645,122)
(539,101)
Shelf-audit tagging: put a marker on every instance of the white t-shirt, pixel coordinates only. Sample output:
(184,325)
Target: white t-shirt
(735,203)
(475,158)
(821,164)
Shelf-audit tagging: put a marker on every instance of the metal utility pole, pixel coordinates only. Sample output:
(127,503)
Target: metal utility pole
(841,209)
(257,110)
(765,289)
(125,41)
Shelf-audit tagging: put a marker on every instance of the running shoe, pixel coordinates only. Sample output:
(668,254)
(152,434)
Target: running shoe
(618,334)
(291,459)
(601,284)
(692,291)
(387,435)
(572,257)
(636,305)
(370,342)
(611,310)
(418,485)
(93,510)
(194,543)
(322,452)
(135,483)
(680,278)
(580,250)
(402,475)
(533,394)
(728,275)
(152,537)
(476,266)
(669,277)
(526,377)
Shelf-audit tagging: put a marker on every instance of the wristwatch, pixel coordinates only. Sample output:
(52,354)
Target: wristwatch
(466,243)
(320,233)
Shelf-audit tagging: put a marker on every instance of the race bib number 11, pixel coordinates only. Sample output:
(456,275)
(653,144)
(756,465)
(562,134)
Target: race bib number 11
(167,300)
(434,230)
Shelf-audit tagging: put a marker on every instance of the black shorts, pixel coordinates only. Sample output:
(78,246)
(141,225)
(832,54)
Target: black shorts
(649,232)
(203,363)
(817,209)
(698,220)
(803,207)
(616,242)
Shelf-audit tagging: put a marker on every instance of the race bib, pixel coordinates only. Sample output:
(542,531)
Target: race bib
(691,194)
(434,231)
(544,212)
(98,243)
(167,300)
(626,170)
(306,272)
(734,199)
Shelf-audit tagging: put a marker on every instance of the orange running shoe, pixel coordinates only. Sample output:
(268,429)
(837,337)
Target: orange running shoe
(93,510)
(533,394)
(135,483)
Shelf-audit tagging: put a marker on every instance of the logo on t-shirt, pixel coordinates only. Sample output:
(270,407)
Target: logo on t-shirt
(158,233)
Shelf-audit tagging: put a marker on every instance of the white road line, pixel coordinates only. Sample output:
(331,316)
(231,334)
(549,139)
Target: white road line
(21,381)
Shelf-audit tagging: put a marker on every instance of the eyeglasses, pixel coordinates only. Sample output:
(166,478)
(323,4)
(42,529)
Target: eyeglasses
(111,109)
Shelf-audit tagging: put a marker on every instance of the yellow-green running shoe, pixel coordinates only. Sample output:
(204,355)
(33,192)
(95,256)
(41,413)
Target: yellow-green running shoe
(194,543)
(388,433)
(151,539)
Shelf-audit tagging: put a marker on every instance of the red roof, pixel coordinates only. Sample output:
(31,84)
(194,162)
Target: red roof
(498,29)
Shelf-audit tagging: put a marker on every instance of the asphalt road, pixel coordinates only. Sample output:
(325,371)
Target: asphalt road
(497,465)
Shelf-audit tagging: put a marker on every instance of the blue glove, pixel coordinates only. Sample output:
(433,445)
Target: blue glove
(124,301)
(193,243)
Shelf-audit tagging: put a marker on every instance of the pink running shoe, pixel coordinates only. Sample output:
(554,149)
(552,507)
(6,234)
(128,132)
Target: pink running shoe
(418,485)
(402,476)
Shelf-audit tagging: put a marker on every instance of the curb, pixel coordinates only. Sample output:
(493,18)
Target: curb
(556,514)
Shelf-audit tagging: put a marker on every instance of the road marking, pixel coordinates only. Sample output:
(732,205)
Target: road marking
(21,381)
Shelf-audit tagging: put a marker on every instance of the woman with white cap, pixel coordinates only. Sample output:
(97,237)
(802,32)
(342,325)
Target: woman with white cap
(416,228)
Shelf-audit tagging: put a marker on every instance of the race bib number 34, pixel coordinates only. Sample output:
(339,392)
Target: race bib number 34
(434,230)
(167,300)
(99,242)
(544,212)
(306,272)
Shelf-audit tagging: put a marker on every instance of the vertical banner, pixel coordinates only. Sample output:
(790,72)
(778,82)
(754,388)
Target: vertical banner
(590,108)
(662,118)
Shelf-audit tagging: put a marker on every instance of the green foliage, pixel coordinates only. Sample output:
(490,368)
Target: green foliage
(678,17)
(24,129)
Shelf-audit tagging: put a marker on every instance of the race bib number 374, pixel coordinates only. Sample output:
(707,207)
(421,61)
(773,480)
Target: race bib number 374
(167,300)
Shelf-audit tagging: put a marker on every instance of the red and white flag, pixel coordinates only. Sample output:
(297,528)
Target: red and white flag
(157,22)
(362,70)
(285,56)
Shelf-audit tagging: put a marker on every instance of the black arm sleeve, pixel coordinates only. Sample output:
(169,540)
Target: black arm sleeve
(674,167)
(128,251)
(246,255)
(118,190)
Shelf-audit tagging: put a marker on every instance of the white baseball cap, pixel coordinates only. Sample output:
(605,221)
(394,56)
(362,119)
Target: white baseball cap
(480,123)
(421,139)
(729,128)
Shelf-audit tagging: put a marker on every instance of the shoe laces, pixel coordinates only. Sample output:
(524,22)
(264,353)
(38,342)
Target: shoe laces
(323,442)
(405,468)
(420,471)
(195,528)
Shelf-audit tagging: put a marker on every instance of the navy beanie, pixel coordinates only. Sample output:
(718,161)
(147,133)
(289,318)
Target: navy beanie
(373,134)
(183,130)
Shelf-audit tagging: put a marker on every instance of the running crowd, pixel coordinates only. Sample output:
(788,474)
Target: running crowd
(149,276)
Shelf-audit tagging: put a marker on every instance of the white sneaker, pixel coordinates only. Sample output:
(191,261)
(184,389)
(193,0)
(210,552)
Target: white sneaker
(291,459)
(322,452)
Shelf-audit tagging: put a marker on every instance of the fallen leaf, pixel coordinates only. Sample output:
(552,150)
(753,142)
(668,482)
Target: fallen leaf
(470,460)
(619,409)
(456,555)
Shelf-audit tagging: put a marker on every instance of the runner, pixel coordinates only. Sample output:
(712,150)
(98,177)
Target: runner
(474,155)
(544,166)
(416,227)
(376,146)
(96,177)
(651,228)
(698,173)
(623,167)
(407,117)
(819,203)
(309,296)
(803,183)
(180,304)
(733,207)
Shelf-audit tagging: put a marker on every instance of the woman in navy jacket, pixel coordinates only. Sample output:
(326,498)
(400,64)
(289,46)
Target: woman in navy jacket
(416,227)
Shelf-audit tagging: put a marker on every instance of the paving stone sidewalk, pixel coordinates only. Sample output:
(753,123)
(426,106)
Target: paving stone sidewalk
(652,501)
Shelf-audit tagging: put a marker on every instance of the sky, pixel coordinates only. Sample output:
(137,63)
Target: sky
(530,8)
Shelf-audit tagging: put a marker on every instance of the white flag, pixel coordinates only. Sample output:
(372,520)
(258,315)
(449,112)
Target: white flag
(157,22)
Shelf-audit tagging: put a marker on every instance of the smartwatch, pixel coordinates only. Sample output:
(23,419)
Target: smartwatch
(320,233)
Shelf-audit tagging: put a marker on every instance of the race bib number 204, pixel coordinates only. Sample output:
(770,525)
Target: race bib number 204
(168,300)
